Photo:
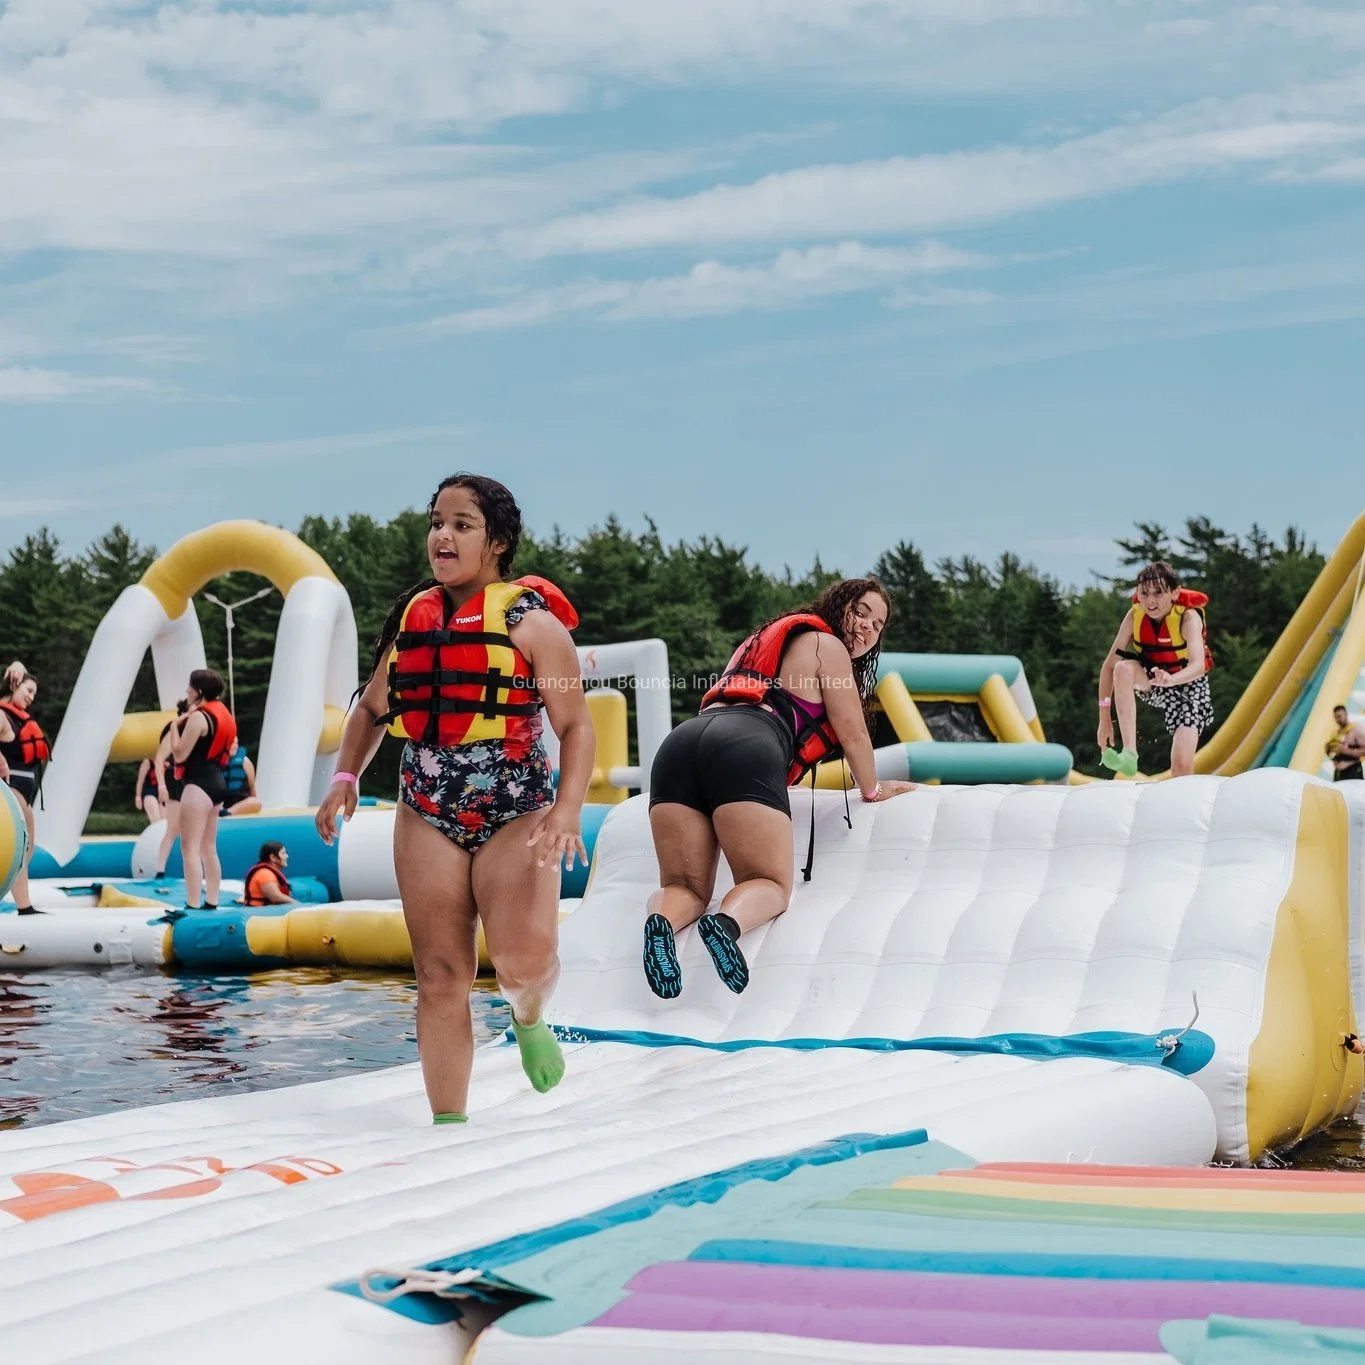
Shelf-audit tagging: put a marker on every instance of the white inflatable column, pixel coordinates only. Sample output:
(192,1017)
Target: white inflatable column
(93,717)
(315,625)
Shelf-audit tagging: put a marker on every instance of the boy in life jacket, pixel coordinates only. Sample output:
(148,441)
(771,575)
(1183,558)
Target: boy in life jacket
(1160,656)
(266,883)
(1346,748)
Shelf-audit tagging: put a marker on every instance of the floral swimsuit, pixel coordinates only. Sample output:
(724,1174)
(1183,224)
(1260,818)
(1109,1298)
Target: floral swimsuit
(470,791)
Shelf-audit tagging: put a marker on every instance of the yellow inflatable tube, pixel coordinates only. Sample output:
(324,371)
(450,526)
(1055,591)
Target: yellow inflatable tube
(193,561)
(13,838)
(1202,1199)
(340,936)
(1281,678)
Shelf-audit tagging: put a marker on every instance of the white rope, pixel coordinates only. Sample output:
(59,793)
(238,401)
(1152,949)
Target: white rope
(442,1283)
(1170,1041)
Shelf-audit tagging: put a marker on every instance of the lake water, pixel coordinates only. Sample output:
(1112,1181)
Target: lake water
(74,1043)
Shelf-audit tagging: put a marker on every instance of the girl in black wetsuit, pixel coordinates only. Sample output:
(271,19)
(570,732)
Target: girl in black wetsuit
(200,742)
(792,694)
(23,751)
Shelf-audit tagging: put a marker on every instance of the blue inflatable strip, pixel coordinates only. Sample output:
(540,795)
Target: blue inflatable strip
(98,857)
(757,1251)
(1285,739)
(706,1189)
(1193,1052)
(215,940)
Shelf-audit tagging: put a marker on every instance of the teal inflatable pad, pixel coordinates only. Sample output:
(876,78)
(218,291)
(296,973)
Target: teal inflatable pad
(969,764)
(171,890)
(1257,1341)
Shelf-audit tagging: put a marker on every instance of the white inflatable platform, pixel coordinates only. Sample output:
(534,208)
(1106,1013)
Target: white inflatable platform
(986,974)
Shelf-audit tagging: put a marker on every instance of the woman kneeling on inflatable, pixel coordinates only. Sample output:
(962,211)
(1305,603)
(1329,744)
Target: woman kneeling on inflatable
(463,666)
(793,694)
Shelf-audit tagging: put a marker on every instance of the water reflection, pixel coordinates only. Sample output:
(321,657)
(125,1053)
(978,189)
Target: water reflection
(78,1042)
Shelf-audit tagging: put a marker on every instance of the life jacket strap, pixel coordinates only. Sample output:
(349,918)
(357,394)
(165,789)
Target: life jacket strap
(494,679)
(439,639)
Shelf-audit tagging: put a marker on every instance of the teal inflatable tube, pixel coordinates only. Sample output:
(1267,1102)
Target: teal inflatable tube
(215,940)
(99,859)
(573,883)
(956,674)
(239,847)
(967,764)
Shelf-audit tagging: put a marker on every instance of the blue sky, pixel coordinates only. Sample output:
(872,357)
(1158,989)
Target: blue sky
(813,275)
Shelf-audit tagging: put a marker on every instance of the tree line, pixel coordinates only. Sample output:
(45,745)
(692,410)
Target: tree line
(699,596)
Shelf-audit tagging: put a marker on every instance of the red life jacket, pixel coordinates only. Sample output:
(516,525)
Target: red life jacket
(29,749)
(751,678)
(222,731)
(1161,644)
(455,677)
(251,894)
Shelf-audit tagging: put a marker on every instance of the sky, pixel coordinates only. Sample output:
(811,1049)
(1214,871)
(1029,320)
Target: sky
(815,276)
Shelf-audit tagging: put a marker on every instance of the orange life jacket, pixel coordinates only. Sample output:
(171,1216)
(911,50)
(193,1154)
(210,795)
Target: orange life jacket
(29,748)
(256,878)
(751,677)
(1161,644)
(222,731)
(455,677)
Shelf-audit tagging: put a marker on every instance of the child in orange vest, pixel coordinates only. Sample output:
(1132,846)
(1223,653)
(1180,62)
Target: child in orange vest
(1161,657)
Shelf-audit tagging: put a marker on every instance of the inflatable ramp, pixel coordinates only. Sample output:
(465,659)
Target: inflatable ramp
(976,975)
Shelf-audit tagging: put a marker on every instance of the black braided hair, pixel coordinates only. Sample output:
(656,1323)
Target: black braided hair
(502,519)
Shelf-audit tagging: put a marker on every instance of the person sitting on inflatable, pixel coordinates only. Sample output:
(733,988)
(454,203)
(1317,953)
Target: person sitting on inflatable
(793,693)
(265,882)
(239,778)
(462,668)
(1161,656)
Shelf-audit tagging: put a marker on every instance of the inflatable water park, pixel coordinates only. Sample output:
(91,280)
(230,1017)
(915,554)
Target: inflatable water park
(997,1091)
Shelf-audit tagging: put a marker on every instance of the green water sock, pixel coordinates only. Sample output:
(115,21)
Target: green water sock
(541,1058)
(1121,761)
(449,1118)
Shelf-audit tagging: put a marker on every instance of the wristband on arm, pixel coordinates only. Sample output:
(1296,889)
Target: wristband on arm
(1106,703)
(876,792)
(346,777)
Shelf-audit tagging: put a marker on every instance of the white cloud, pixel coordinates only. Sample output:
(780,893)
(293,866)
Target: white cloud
(902,297)
(231,453)
(31,384)
(1350,171)
(712,287)
(16,509)
(933,192)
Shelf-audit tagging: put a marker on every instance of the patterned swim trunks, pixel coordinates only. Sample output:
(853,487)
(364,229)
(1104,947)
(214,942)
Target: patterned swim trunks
(471,791)
(1190,704)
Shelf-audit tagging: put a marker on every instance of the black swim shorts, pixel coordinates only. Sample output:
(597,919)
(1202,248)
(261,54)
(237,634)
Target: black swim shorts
(726,754)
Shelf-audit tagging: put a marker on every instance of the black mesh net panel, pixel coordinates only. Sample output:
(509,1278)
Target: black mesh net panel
(955,722)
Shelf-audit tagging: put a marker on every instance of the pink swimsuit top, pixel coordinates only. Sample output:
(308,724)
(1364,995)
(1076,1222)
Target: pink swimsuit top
(807,712)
